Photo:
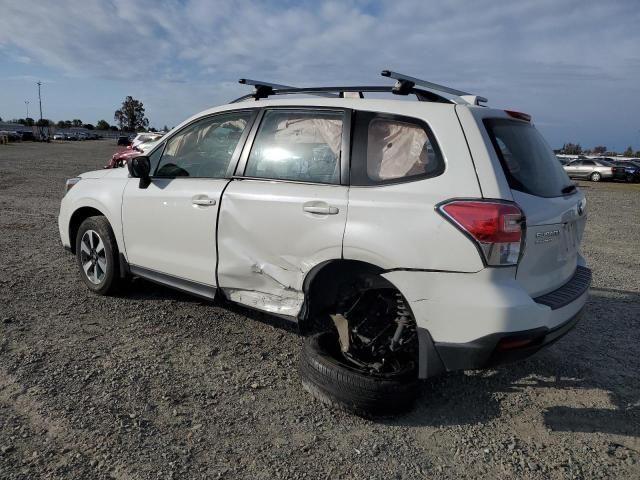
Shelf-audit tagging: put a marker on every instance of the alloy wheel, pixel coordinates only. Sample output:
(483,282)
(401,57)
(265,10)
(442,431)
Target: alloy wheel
(93,257)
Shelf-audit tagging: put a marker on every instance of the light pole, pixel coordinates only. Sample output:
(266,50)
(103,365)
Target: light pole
(26,102)
(40,100)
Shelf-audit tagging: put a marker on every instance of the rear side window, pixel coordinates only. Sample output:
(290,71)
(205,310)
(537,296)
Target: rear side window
(527,160)
(303,146)
(393,149)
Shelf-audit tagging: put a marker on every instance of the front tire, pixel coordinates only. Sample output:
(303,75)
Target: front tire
(595,177)
(97,255)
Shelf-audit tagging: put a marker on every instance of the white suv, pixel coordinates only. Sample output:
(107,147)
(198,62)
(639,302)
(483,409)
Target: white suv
(405,238)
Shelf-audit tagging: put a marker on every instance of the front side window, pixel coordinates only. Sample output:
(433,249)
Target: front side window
(205,148)
(297,145)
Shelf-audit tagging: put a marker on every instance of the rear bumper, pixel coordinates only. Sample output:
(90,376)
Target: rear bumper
(500,348)
(475,320)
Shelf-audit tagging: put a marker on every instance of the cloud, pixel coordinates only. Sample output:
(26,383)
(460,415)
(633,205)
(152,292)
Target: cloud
(527,52)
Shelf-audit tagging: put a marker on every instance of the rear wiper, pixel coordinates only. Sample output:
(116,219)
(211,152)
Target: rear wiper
(568,189)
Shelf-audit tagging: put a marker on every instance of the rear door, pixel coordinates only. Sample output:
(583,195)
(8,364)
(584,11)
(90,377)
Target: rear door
(286,208)
(553,207)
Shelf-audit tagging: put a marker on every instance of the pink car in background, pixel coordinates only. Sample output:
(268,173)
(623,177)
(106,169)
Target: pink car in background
(143,143)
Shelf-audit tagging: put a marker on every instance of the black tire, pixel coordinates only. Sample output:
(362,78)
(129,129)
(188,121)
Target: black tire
(595,177)
(630,178)
(110,279)
(341,386)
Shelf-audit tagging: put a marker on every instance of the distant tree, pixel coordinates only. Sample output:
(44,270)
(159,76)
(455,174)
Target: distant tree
(60,124)
(153,129)
(44,122)
(628,152)
(165,129)
(637,154)
(131,115)
(571,149)
(102,125)
(22,121)
(599,150)
(67,124)
(88,126)
(76,122)
(113,128)
(30,122)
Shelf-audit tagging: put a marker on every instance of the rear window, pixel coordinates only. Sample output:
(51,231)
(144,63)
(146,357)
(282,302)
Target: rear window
(527,160)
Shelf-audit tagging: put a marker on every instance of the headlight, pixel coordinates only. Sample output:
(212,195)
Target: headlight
(70,183)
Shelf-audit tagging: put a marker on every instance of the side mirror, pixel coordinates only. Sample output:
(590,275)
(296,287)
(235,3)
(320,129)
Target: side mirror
(140,167)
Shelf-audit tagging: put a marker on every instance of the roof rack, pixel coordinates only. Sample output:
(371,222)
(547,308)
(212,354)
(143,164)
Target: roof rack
(405,85)
(405,82)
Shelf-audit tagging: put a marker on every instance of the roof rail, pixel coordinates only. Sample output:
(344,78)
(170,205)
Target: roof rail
(264,89)
(405,83)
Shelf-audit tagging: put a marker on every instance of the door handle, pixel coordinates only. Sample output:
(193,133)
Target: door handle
(203,201)
(322,209)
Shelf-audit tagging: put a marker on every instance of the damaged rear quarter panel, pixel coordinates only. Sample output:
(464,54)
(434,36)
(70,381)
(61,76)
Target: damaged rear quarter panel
(267,244)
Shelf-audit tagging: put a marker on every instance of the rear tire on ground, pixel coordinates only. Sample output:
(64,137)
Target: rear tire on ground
(97,255)
(339,385)
(595,177)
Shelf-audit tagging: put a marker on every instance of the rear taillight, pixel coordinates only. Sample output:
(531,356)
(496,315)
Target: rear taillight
(496,227)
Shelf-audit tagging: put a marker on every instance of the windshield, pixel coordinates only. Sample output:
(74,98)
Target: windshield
(527,160)
(606,163)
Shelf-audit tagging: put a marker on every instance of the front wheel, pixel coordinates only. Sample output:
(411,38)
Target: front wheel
(595,177)
(97,255)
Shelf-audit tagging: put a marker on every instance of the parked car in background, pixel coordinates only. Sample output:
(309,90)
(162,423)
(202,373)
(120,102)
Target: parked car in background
(14,136)
(59,136)
(123,140)
(28,137)
(628,171)
(120,158)
(145,137)
(590,169)
(249,201)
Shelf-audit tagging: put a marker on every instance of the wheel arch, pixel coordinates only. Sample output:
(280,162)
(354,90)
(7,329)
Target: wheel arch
(76,219)
(320,287)
(320,290)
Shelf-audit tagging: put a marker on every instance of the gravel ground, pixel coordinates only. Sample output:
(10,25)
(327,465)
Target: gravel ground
(156,384)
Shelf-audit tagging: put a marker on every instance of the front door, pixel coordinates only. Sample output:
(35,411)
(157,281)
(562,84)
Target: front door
(170,227)
(286,209)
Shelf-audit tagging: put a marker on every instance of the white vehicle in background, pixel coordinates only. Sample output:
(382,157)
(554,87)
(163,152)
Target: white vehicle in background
(145,137)
(59,136)
(406,239)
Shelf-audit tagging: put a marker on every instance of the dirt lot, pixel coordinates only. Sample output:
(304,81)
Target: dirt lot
(156,384)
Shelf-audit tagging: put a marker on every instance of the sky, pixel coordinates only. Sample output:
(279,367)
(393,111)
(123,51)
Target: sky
(574,65)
